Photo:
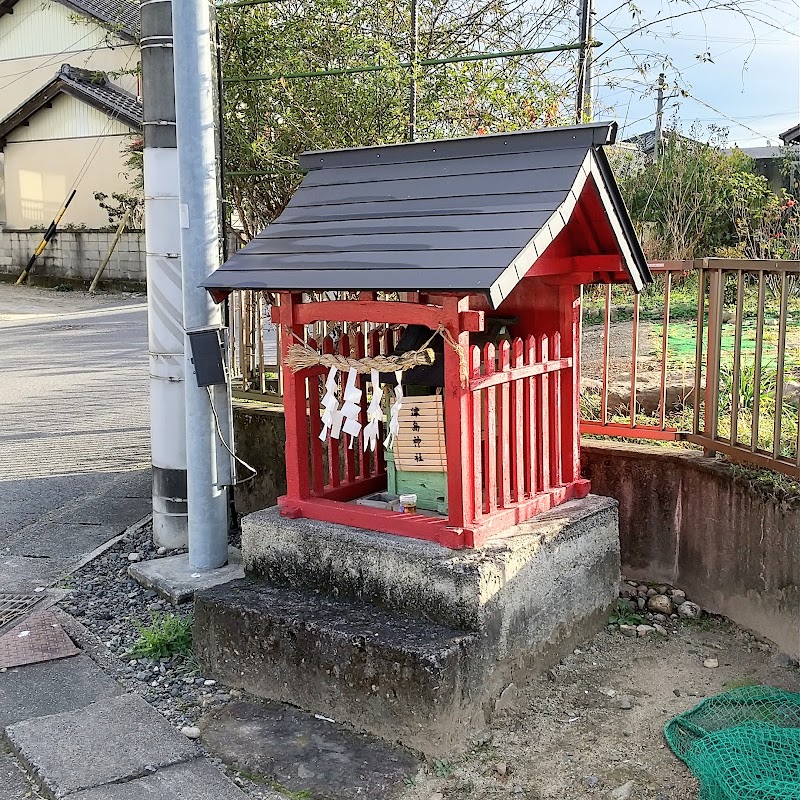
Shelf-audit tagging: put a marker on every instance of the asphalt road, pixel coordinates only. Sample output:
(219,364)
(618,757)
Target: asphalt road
(74,439)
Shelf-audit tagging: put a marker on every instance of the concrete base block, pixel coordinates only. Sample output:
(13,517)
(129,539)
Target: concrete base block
(176,580)
(402,638)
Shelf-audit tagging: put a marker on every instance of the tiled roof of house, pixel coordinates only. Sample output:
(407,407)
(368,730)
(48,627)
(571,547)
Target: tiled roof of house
(92,88)
(792,136)
(122,16)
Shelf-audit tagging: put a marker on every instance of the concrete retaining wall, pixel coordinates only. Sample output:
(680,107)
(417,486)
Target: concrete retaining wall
(694,522)
(259,433)
(683,518)
(75,255)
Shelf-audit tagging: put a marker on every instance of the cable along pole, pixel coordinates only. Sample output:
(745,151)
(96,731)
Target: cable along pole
(662,80)
(412,81)
(583,93)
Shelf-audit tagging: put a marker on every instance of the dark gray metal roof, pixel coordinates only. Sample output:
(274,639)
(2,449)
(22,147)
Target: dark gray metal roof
(460,215)
(792,136)
(121,16)
(93,88)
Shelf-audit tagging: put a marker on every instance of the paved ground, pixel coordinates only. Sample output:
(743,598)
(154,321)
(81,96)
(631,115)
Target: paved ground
(74,473)
(74,448)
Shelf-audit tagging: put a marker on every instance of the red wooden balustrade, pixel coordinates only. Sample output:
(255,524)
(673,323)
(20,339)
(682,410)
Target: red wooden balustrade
(338,471)
(520,466)
(510,421)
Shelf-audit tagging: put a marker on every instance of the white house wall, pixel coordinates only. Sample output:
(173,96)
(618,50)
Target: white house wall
(39,175)
(69,118)
(41,36)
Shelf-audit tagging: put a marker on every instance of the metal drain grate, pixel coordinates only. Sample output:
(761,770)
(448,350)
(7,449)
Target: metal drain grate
(13,606)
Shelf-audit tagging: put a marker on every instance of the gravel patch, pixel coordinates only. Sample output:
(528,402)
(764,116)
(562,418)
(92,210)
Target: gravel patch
(110,605)
(590,727)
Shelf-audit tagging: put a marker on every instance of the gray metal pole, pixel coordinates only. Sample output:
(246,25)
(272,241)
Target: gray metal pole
(588,65)
(412,83)
(196,107)
(164,301)
(659,115)
(584,15)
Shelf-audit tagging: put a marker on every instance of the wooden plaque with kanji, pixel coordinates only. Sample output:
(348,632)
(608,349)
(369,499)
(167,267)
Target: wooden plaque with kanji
(420,443)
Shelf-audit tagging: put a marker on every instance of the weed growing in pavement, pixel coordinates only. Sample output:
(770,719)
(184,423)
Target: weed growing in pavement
(703,623)
(303,794)
(166,635)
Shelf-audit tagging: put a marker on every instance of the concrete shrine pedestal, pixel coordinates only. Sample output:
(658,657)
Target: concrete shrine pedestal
(404,638)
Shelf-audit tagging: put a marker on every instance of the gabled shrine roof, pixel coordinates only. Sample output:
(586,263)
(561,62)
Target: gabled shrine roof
(456,215)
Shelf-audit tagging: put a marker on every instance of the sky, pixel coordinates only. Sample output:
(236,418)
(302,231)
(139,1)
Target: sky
(751,83)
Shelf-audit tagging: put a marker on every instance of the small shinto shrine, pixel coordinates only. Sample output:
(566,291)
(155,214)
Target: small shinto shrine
(425,557)
(429,307)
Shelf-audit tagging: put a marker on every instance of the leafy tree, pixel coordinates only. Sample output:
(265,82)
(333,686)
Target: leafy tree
(698,200)
(119,203)
(268,123)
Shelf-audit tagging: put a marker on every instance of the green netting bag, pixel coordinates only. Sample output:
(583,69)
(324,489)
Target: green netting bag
(742,745)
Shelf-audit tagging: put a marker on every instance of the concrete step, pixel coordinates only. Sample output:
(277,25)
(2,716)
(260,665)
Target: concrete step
(399,677)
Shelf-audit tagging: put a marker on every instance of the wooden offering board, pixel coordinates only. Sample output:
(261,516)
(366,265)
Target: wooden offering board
(420,444)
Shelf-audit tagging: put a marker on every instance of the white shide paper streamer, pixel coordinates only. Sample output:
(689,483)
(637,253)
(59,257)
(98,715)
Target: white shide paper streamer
(351,407)
(394,418)
(373,413)
(331,417)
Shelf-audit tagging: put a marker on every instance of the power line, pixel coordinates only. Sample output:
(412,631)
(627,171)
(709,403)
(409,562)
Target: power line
(425,62)
(18,76)
(724,115)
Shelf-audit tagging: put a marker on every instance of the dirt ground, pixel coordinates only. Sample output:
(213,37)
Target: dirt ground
(569,738)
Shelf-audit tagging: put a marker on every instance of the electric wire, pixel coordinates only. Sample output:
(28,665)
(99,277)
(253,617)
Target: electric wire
(18,76)
(225,444)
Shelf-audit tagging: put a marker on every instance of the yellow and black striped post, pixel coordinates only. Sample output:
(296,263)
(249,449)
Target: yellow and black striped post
(48,235)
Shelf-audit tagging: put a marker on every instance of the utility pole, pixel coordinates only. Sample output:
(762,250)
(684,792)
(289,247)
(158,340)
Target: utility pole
(412,83)
(659,114)
(583,97)
(164,297)
(196,106)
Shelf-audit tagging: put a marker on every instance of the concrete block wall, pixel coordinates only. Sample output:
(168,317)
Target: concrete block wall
(75,254)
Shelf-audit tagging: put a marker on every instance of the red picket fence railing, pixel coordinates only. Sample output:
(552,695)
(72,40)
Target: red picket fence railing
(517,422)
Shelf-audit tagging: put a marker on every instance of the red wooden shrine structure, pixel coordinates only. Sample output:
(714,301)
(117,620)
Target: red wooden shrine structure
(511,419)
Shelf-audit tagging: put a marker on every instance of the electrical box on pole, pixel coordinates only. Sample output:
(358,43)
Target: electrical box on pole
(208,356)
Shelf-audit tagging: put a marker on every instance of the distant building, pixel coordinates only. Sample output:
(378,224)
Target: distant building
(69,101)
(771,163)
(792,136)
(646,142)
(768,161)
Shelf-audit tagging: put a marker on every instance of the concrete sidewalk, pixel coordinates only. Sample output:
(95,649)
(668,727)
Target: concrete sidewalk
(82,738)
(74,474)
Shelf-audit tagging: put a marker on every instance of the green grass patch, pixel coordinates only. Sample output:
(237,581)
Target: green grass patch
(624,614)
(166,635)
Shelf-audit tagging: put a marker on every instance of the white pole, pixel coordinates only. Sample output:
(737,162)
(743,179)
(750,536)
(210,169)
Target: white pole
(195,103)
(164,299)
